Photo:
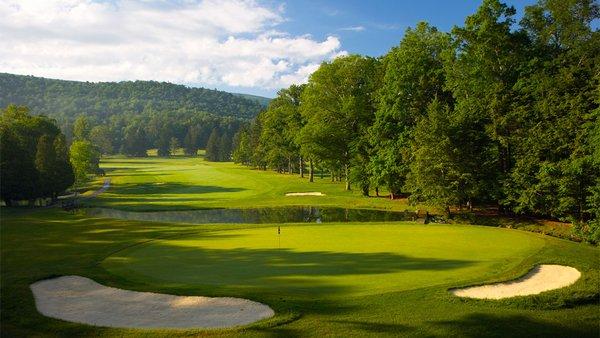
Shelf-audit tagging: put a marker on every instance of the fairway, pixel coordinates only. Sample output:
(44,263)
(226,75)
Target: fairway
(327,260)
(184,183)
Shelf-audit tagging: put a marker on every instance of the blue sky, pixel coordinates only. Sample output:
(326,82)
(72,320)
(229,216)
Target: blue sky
(380,24)
(246,46)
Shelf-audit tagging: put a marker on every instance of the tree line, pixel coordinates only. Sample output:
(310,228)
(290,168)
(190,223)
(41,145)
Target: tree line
(493,112)
(34,158)
(165,131)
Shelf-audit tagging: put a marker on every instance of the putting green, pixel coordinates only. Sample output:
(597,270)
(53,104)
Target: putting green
(333,260)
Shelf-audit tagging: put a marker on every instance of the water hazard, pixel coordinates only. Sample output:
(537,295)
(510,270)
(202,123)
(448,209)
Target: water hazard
(261,215)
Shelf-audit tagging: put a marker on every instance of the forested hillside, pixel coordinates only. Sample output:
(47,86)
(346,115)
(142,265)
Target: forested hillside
(64,100)
(264,101)
(131,117)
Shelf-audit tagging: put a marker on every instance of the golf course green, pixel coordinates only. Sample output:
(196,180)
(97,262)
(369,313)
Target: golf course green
(329,279)
(328,260)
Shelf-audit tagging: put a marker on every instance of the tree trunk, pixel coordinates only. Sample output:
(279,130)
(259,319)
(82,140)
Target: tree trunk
(302,168)
(289,165)
(346,172)
(377,191)
(312,171)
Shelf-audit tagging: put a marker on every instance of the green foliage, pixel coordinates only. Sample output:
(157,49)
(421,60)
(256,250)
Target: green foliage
(281,124)
(112,115)
(84,159)
(65,100)
(135,142)
(413,76)
(557,111)
(33,158)
(101,136)
(81,128)
(213,146)
(338,107)
(191,140)
(173,145)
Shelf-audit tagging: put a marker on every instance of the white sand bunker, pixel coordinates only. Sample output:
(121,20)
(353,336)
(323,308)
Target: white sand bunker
(81,300)
(312,193)
(539,279)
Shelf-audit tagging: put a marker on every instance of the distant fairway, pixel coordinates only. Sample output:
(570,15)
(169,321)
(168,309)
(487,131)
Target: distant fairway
(181,183)
(327,261)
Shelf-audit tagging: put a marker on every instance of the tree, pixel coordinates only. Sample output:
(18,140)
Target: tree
(174,145)
(18,177)
(190,142)
(64,177)
(81,128)
(554,172)
(44,163)
(212,146)
(481,73)
(135,142)
(163,142)
(224,148)
(413,77)
(338,106)
(450,159)
(33,159)
(84,159)
(281,124)
(101,137)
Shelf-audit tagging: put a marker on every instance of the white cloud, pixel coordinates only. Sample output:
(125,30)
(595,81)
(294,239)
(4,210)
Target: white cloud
(353,28)
(208,42)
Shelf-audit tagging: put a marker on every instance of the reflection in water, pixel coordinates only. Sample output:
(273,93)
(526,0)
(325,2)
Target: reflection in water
(260,215)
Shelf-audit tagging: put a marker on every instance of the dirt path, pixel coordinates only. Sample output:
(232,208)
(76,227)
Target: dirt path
(104,187)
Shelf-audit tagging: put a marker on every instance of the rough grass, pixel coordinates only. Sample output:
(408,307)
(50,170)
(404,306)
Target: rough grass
(326,280)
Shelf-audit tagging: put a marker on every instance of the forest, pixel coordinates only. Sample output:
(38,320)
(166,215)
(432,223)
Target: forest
(131,117)
(493,113)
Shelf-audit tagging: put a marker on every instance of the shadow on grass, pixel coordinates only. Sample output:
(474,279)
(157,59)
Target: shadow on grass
(486,325)
(373,327)
(168,188)
(267,271)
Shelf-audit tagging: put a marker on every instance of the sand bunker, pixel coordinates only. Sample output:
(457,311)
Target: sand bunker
(81,300)
(312,193)
(539,279)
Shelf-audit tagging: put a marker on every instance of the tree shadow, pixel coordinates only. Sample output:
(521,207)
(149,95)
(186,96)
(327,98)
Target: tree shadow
(374,327)
(168,188)
(487,325)
(267,271)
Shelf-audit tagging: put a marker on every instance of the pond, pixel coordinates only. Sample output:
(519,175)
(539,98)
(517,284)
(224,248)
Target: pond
(295,214)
